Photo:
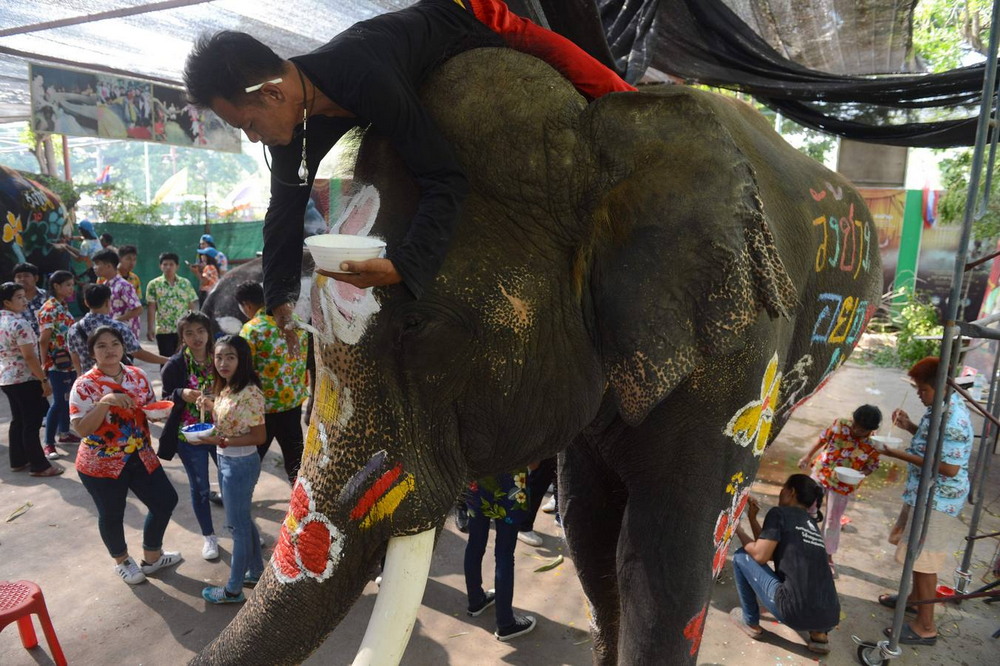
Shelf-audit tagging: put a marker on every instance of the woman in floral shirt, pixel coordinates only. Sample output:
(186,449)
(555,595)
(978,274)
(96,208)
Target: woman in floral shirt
(24,383)
(239,429)
(115,456)
(502,499)
(846,443)
(54,320)
(187,376)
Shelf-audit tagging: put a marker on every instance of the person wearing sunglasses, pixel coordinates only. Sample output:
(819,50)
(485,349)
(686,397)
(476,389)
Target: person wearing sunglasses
(370,74)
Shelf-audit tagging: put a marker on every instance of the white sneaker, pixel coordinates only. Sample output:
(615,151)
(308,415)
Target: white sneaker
(166,559)
(130,572)
(530,538)
(210,551)
(550,506)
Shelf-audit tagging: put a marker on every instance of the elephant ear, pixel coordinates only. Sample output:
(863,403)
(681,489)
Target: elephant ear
(681,258)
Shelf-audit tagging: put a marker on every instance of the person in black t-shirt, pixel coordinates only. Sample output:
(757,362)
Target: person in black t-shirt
(368,74)
(799,591)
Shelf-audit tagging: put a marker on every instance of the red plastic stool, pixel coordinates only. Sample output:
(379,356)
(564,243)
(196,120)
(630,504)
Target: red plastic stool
(18,601)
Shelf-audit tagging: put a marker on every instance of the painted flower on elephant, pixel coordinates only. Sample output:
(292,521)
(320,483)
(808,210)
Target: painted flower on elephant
(12,229)
(695,628)
(729,518)
(309,545)
(752,424)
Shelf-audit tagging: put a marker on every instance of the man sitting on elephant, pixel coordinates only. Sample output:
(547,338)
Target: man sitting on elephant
(370,73)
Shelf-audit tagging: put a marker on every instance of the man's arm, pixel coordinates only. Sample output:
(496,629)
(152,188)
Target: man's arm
(150,319)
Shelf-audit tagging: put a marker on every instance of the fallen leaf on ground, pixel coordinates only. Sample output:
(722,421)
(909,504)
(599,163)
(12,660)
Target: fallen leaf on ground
(19,510)
(556,561)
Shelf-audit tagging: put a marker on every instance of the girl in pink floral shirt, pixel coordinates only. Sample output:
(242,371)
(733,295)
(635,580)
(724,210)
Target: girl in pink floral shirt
(846,443)
(115,455)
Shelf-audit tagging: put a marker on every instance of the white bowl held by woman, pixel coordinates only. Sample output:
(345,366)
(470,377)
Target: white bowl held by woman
(330,250)
(848,475)
(197,431)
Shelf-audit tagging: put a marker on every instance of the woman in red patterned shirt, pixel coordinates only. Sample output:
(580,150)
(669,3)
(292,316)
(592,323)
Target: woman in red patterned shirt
(115,455)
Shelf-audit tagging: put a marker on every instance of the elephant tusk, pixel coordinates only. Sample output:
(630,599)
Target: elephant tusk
(407,565)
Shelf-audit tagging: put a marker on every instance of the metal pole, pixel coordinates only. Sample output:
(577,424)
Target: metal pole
(928,472)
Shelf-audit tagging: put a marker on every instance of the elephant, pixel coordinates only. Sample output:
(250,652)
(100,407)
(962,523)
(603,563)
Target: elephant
(33,218)
(647,284)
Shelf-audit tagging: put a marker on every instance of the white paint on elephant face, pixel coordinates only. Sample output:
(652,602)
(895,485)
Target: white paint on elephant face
(229,325)
(345,310)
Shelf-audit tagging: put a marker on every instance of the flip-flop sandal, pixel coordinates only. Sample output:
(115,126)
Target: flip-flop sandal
(910,637)
(889,601)
(736,615)
(819,647)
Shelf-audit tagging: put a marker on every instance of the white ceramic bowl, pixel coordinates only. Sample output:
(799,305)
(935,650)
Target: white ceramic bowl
(848,475)
(157,411)
(886,440)
(329,250)
(197,435)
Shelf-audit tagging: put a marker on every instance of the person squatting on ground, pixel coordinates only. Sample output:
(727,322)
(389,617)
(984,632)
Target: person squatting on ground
(188,375)
(846,443)
(54,321)
(238,412)
(799,591)
(98,299)
(503,500)
(116,455)
(125,304)
(27,276)
(948,496)
(282,371)
(168,297)
(369,74)
(24,383)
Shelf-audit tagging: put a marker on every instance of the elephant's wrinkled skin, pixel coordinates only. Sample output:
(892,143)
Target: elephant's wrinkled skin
(32,218)
(653,279)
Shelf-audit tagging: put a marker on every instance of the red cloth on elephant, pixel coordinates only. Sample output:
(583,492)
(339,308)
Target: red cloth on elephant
(588,75)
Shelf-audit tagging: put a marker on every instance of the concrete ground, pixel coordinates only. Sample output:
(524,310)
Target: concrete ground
(100,620)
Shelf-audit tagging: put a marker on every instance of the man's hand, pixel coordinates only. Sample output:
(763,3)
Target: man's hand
(753,508)
(150,336)
(283,320)
(364,274)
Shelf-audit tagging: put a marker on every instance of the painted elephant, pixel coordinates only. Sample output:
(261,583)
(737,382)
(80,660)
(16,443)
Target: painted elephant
(32,218)
(648,283)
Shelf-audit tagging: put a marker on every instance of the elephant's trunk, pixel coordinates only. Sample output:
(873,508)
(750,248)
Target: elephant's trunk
(284,623)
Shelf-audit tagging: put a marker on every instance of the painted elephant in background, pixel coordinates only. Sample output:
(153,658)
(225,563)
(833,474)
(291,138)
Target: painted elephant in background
(33,218)
(648,283)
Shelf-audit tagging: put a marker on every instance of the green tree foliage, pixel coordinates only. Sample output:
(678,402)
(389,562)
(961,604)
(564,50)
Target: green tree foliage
(947,32)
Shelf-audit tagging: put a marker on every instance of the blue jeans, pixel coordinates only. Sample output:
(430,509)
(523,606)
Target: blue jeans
(57,419)
(195,460)
(503,581)
(154,490)
(237,477)
(753,581)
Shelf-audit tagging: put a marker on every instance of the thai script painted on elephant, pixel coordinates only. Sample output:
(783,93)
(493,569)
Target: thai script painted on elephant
(729,518)
(383,497)
(752,423)
(846,247)
(837,192)
(841,320)
(309,545)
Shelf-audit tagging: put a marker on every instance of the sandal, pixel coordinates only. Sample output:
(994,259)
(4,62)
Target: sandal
(818,646)
(736,615)
(909,637)
(50,471)
(889,601)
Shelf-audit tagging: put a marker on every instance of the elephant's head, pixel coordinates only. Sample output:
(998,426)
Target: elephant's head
(582,270)
(33,218)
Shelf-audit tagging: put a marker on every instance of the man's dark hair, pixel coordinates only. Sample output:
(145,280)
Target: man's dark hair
(60,277)
(96,296)
(25,267)
(223,64)
(107,238)
(250,292)
(169,256)
(868,417)
(127,249)
(106,257)
(7,291)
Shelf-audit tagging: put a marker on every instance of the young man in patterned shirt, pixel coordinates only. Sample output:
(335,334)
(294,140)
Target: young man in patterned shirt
(125,304)
(282,374)
(168,298)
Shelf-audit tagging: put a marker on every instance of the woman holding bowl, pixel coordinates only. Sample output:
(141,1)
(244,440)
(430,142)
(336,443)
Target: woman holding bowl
(115,455)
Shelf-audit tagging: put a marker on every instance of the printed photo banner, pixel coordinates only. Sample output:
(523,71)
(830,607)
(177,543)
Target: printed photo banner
(81,103)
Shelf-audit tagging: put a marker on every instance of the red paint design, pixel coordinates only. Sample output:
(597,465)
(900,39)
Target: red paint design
(817,196)
(284,555)
(306,543)
(695,628)
(378,489)
(313,544)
